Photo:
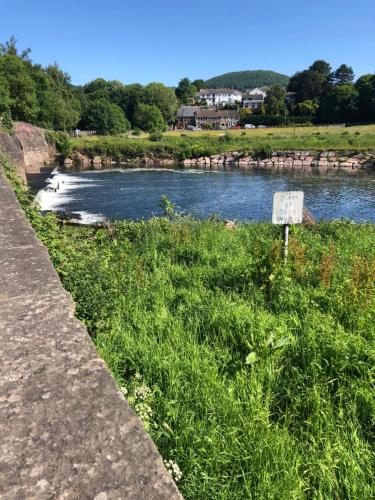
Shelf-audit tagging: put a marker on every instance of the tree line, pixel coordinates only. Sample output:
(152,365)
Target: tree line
(45,96)
(317,94)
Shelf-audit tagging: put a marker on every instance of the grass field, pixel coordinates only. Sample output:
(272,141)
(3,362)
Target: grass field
(255,378)
(181,145)
(282,131)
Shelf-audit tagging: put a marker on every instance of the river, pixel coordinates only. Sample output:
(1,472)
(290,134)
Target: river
(135,193)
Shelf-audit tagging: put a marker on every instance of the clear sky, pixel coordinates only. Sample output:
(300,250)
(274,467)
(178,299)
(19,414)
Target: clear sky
(164,40)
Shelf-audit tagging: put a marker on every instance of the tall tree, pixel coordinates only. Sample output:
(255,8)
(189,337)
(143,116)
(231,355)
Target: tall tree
(149,118)
(322,67)
(22,88)
(105,118)
(365,86)
(343,74)
(339,104)
(185,91)
(275,100)
(157,94)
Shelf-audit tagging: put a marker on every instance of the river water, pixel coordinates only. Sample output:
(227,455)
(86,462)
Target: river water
(135,193)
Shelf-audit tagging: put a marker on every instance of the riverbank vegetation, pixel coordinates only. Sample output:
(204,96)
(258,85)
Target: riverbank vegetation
(255,378)
(184,145)
(45,96)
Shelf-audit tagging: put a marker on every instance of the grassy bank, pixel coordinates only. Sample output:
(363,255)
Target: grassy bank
(181,145)
(254,377)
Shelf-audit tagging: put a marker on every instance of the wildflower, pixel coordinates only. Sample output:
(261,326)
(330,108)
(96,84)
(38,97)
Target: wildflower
(143,392)
(173,469)
(124,390)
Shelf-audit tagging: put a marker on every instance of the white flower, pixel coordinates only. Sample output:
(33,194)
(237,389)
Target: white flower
(173,469)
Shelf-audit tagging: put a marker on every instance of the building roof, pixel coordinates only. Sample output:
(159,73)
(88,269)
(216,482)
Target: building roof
(217,113)
(219,91)
(256,91)
(187,111)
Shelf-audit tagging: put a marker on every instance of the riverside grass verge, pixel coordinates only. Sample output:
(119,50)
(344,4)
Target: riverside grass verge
(254,377)
(183,144)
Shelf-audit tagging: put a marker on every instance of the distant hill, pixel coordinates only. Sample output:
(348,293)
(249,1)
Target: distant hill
(247,79)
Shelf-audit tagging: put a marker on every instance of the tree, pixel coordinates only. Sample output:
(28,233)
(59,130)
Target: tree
(339,104)
(5,114)
(365,86)
(306,108)
(275,100)
(22,89)
(128,98)
(185,91)
(321,67)
(105,118)
(307,84)
(199,84)
(343,74)
(149,118)
(157,94)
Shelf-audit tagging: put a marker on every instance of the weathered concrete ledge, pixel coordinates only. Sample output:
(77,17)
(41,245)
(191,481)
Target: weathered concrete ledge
(65,430)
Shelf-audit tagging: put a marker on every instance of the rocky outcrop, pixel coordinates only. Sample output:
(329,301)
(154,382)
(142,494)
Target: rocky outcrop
(27,148)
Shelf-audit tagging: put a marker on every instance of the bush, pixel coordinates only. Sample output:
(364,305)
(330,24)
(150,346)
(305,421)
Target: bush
(263,152)
(156,137)
(61,141)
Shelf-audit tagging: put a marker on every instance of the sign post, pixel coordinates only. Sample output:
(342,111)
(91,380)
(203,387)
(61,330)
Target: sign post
(287,209)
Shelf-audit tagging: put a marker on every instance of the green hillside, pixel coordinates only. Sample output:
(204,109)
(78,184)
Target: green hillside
(247,79)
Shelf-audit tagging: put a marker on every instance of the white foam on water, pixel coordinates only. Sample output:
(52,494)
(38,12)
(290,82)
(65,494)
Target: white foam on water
(88,218)
(60,190)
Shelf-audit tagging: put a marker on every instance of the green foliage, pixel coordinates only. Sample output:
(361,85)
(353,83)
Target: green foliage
(185,91)
(343,74)
(263,152)
(195,145)
(149,118)
(156,137)
(105,118)
(339,104)
(275,100)
(254,377)
(61,141)
(247,79)
(157,94)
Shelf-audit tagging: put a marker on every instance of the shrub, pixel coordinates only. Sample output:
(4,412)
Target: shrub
(263,152)
(156,137)
(61,141)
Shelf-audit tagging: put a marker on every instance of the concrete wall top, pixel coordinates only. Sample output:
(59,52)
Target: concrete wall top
(66,432)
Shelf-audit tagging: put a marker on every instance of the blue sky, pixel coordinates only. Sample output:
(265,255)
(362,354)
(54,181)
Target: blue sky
(164,40)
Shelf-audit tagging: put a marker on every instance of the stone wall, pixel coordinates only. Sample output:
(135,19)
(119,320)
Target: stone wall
(291,160)
(66,431)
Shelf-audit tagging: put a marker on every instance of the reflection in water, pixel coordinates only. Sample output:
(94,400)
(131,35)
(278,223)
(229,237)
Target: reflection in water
(134,193)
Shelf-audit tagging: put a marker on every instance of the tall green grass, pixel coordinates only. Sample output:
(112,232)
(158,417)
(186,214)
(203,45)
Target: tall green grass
(256,378)
(176,308)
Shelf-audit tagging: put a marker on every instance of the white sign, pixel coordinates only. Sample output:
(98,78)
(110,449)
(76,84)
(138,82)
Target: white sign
(287,207)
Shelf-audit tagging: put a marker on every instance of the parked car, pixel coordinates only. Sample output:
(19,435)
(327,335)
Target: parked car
(262,126)
(249,125)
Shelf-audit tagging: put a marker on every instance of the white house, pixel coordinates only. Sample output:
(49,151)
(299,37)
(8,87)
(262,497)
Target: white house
(218,97)
(254,99)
